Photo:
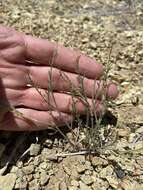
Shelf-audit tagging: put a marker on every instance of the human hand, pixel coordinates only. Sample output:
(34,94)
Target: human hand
(28,67)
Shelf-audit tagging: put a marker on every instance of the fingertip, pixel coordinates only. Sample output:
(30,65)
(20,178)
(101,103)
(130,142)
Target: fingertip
(100,70)
(90,68)
(112,91)
(100,109)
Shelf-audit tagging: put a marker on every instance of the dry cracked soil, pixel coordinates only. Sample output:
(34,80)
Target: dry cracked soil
(42,160)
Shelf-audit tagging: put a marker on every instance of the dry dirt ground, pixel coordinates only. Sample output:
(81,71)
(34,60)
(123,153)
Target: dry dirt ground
(30,160)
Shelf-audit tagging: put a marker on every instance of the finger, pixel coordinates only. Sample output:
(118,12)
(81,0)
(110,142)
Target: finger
(12,46)
(33,120)
(58,101)
(32,98)
(44,52)
(13,76)
(67,82)
(112,91)
(6,35)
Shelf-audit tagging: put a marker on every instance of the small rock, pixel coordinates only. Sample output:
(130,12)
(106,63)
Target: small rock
(113,181)
(20,174)
(7,182)
(48,143)
(88,165)
(87,179)
(63,186)
(14,169)
(67,20)
(74,183)
(83,186)
(28,169)
(88,172)
(49,155)
(37,175)
(93,45)
(19,164)
(129,34)
(74,174)
(140,130)
(43,165)
(44,178)
(131,137)
(140,52)
(126,184)
(121,144)
(123,132)
(29,177)
(37,161)
(34,149)
(99,183)
(34,185)
(21,183)
(67,170)
(85,40)
(81,168)
(72,188)
(139,160)
(99,161)
(138,146)
(108,173)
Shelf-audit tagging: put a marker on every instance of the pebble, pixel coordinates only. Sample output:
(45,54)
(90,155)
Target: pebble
(74,174)
(99,161)
(81,168)
(139,160)
(99,183)
(74,183)
(131,137)
(43,165)
(48,143)
(7,182)
(63,186)
(36,161)
(28,169)
(83,186)
(67,170)
(85,40)
(88,172)
(138,145)
(88,165)
(37,175)
(123,132)
(14,169)
(72,188)
(34,185)
(44,178)
(19,164)
(93,45)
(87,179)
(34,149)
(108,173)
(126,184)
(29,177)
(21,184)
(48,154)
(140,130)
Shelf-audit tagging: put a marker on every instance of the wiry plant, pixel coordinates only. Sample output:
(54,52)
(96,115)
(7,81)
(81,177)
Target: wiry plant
(91,134)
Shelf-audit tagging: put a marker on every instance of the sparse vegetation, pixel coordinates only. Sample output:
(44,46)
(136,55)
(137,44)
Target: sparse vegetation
(114,158)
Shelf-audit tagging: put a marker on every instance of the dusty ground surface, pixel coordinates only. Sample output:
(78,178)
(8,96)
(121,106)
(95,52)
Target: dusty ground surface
(91,26)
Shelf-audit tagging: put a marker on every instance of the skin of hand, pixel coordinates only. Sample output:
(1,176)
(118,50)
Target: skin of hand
(28,67)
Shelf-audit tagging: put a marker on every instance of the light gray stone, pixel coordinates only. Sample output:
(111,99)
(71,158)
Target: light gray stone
(7,182)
